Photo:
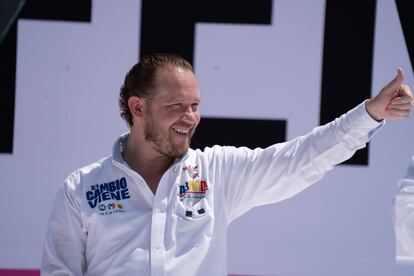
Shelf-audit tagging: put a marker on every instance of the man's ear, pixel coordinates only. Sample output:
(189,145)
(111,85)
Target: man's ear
(135,105)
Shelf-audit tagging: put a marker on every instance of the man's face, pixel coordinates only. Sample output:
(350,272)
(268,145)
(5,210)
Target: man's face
(172,113)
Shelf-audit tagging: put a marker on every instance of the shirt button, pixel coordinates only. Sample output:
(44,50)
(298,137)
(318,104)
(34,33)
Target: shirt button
(159,211)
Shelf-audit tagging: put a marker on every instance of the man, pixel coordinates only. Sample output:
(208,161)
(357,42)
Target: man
(156,207)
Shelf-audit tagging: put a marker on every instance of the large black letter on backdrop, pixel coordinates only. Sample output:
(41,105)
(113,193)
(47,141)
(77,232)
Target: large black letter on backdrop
(73,10)
(347,60)
(169,26)
(407,22)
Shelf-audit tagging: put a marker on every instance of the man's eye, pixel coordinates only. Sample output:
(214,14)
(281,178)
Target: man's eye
(176,105)
(194,107)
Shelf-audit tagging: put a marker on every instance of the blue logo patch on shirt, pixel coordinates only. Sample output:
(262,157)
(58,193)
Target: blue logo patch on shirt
(115,190)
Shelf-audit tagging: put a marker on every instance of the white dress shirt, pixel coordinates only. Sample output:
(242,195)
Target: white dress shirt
(106,220)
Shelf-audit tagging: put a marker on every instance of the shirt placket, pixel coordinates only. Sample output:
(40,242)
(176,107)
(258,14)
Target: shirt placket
(157,238)
(159,220)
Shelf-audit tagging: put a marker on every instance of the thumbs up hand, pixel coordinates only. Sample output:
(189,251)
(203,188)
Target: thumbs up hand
(394,101)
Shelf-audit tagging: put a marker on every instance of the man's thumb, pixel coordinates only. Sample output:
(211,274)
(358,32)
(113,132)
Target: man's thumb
(397,81)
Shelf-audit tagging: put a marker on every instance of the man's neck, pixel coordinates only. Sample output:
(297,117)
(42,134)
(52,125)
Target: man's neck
(143,159)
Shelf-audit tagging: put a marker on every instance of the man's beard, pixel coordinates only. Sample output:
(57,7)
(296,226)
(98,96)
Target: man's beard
(161,140)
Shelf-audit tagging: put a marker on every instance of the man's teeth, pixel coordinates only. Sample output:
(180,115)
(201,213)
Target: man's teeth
(181,130)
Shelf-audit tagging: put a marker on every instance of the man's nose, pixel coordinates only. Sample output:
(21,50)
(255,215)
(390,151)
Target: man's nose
(189,115)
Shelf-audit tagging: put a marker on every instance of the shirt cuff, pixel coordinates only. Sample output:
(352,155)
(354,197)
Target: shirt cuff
(359,117)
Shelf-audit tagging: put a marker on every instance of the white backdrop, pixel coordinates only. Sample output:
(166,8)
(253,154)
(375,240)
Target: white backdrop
(68,78)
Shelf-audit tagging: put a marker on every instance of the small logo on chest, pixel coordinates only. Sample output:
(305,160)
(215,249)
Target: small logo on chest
(192,171)
(193,188)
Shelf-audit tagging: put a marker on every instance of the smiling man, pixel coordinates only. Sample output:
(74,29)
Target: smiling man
(157,207)
(163,117)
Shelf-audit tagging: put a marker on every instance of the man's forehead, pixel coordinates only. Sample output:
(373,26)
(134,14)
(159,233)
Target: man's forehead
(174,97)
(176,84)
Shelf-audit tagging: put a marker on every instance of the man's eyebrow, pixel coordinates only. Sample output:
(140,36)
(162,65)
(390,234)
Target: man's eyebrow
(173,99)
(180,99)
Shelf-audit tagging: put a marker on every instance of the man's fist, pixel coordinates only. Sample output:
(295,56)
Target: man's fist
(394,101)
